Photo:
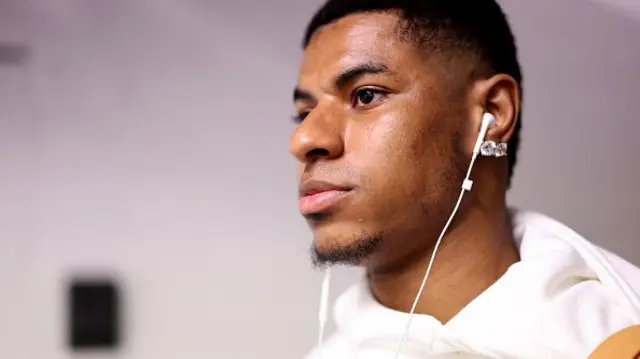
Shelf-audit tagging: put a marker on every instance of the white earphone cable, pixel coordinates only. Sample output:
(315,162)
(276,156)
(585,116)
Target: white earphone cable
(487,121)
(466,186)
(324,310)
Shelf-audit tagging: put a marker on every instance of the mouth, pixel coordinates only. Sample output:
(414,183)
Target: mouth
(318,197)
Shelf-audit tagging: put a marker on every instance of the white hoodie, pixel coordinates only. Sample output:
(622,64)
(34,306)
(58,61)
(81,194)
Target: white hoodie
(564,298)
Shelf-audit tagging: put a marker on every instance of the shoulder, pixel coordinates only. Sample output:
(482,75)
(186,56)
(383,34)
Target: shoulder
(616,276)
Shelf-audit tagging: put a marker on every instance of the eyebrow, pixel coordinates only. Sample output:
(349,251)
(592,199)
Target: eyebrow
(347,76)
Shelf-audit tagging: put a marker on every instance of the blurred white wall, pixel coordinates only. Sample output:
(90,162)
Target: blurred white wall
(148,140)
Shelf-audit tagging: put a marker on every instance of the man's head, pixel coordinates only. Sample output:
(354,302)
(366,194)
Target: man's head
(390,99)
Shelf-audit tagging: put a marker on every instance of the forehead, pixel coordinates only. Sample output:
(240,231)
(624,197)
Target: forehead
(354,39)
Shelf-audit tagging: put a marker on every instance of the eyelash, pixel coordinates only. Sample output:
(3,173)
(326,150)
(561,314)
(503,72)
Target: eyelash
(354,101)
(376,92)
(297,119)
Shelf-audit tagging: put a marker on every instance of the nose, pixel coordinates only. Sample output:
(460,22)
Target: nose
(318,136)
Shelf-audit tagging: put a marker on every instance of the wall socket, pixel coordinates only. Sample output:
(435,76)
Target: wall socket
(94,314)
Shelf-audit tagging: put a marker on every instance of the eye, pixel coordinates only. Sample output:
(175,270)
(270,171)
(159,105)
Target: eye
(299,117)
(367,97)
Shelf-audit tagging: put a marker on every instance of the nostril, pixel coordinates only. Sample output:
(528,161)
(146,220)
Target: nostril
(317,153)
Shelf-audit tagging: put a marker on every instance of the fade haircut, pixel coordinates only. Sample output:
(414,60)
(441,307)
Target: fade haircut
(477,29)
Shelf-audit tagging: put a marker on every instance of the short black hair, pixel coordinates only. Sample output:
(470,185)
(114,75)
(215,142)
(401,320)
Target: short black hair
(477,27)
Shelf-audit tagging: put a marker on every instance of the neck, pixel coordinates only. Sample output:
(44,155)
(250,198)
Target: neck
(472,256)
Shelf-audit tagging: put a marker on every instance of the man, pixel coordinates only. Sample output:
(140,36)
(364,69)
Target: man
(390,100)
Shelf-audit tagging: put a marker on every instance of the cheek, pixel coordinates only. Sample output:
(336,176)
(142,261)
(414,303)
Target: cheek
(406,160)
(389,137)
(400,141)
(394,153)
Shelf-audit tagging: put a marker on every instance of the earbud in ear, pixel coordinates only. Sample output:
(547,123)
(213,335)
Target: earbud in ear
(487,122)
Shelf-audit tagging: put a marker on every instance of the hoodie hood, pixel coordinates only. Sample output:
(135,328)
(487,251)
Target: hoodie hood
(561,300)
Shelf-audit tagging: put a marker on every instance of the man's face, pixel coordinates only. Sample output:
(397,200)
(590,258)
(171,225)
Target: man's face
(379,144)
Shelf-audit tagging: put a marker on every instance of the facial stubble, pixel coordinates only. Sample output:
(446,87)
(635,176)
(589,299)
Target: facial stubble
(361,249)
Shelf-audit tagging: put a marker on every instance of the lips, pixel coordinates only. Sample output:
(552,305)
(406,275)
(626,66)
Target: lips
(317,196)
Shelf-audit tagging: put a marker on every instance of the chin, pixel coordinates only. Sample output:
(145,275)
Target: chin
(334,245)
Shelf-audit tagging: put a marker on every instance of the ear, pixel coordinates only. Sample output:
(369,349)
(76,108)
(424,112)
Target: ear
(500,96)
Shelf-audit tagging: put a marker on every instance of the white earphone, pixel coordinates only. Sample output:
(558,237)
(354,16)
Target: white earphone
(488,120)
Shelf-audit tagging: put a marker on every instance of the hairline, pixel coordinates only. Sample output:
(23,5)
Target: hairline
(469,67)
